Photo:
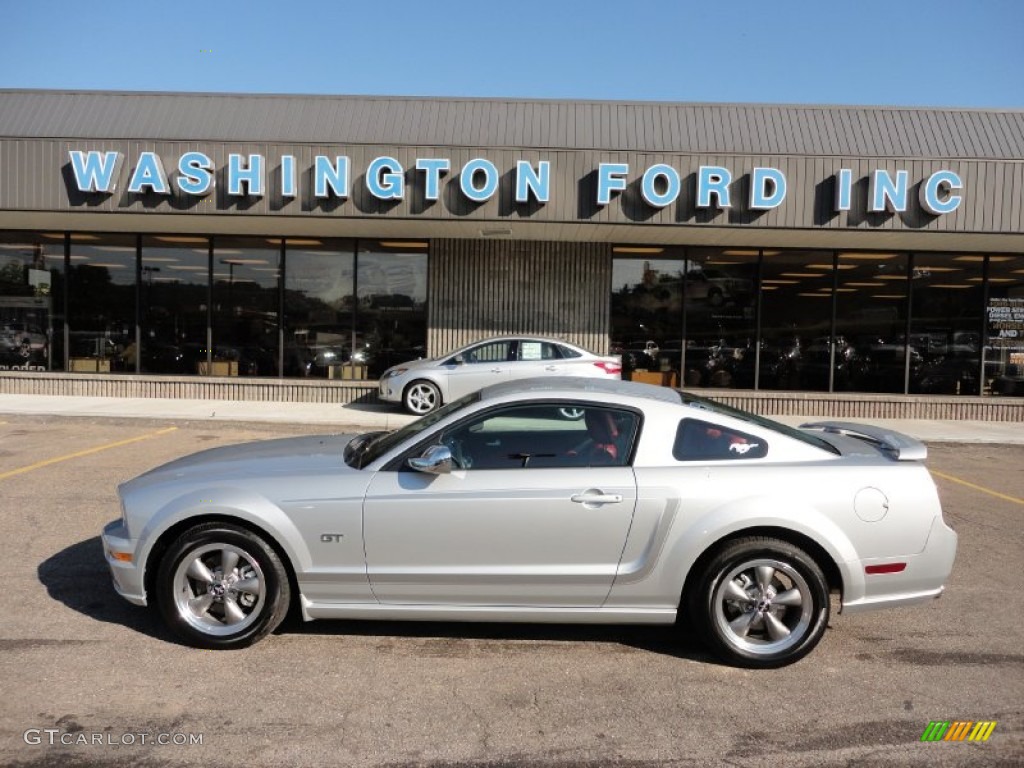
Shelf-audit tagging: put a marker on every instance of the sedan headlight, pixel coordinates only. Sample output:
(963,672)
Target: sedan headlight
(394,372)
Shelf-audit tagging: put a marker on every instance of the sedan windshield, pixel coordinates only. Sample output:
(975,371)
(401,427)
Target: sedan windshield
(369,447)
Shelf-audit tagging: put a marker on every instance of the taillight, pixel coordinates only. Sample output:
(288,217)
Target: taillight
(612,369)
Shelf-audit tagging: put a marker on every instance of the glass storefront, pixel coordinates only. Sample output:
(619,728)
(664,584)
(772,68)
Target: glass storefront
(222,306)
(820,320)
(781,319)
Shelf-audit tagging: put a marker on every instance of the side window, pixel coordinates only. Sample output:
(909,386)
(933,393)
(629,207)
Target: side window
(567,353)
(544,436)
(703,441)
(493,352)
(537,350)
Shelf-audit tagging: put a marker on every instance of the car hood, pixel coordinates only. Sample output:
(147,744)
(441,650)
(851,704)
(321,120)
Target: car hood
(293,456)
(413,365)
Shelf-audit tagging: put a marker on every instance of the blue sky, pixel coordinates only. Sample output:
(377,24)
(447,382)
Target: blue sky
(966,53)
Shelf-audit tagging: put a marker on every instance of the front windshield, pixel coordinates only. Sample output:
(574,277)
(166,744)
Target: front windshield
(377,444)
(695,401)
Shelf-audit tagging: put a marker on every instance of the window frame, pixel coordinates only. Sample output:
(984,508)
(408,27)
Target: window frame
(399,463)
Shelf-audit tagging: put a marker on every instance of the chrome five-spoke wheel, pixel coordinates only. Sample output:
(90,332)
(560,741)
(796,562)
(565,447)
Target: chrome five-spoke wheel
(760,602)
(222,586)
(763,606)
(219,590)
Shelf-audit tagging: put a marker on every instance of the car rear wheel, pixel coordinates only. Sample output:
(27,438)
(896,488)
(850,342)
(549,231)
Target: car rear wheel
(222,586)
(761,603)
(421,397)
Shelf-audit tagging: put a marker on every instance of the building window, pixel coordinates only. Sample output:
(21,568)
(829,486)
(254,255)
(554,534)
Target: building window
(31,301)
(871,323)
(647,312)
(101,304)
(174,296)
(1004,326)
(246,272)
(319,302)
(705,296)
(391,310)
(721,330)
(945,326)
(796,323)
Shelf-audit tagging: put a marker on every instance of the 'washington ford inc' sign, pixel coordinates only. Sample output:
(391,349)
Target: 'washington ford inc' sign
(386,179)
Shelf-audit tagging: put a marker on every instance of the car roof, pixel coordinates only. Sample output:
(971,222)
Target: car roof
(517,337)
(574,386)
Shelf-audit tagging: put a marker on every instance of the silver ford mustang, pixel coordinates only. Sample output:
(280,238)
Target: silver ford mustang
(547,500)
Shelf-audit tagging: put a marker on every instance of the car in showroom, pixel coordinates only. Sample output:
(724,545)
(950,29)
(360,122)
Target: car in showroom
(653,507)
(423,385)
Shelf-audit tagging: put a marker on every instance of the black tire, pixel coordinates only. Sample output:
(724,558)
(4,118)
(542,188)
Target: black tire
(202,607)
(764,629)
(421,397)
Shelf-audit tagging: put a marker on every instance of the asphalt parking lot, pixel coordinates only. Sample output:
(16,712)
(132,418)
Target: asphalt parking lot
(86,679)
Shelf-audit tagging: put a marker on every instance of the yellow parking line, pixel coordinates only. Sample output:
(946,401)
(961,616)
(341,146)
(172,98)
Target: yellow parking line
(990,492)
(86,452)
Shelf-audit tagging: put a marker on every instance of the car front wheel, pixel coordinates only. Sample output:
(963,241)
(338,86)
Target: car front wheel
(761,603)
(422,397)
(222,586)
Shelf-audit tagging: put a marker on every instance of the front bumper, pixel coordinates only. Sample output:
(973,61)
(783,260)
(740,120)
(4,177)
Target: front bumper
(128,577)
(922,580)
(389,390)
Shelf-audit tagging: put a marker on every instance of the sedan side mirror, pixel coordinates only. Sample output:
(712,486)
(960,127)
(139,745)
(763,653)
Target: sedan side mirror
(459,360)
(436,460)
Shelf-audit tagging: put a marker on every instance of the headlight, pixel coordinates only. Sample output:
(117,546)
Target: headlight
(394,372)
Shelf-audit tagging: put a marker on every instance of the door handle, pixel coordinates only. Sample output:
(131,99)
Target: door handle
(495,370)
(596,498)
(550,368)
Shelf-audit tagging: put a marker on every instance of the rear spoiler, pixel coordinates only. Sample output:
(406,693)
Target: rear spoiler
(901,447)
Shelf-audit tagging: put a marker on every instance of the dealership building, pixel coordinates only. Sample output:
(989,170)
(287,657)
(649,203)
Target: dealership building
(855,261)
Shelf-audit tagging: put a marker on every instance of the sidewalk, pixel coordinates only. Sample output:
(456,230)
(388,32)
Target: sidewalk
(356,417)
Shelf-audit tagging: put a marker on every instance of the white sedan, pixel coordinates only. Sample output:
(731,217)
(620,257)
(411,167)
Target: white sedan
(423,385)
(652,506)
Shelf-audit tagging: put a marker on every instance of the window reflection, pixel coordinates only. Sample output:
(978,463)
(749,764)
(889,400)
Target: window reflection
(101,304)
(245,307)
(796,324)
(720,317)
(945,330)
(647,313)
(391,316)
(318,305)
(174,297)
(31,301)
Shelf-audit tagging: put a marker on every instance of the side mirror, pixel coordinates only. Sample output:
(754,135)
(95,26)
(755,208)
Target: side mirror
(436,460)
(459,360)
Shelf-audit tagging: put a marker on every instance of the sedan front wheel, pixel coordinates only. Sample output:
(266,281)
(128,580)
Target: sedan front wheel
(761,603)
(422,397)
(222,586)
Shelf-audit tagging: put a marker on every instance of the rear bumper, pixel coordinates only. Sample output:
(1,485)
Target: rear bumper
(922,580)
(127,576)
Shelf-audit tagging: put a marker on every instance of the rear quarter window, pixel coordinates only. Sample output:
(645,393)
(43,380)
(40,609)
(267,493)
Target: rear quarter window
(698,440)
